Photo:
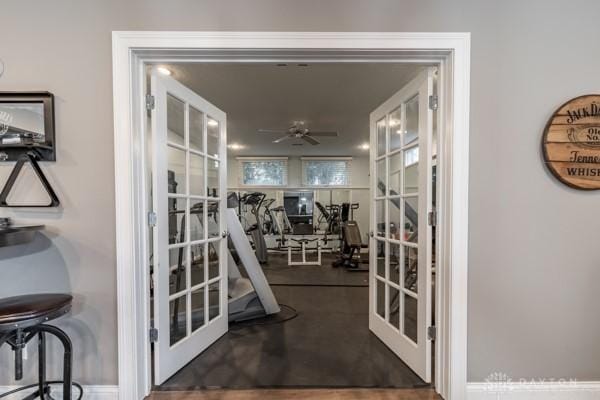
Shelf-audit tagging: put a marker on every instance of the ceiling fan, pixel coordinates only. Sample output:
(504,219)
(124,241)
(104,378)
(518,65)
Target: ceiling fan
(299,131)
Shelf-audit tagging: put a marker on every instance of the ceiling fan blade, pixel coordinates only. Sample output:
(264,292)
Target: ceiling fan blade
(311,140)
(279,131)
(324,133)
(281,139)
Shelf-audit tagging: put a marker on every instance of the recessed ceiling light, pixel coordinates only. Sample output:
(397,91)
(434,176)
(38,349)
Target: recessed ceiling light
(164,70)
(235,146)
(212,122)
(364,146)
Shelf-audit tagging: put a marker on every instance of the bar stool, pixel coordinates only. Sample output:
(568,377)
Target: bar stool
(24,317)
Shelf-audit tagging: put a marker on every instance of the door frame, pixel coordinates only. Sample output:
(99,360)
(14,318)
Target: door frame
(132,49)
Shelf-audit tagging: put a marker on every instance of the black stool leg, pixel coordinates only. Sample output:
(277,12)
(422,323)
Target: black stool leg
(68,356)
(19,344)
(42,364)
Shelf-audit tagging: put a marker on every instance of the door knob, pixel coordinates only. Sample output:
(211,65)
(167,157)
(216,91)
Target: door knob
(224,234)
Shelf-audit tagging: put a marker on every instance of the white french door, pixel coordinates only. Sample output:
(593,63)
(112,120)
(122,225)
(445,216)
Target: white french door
(189,249)
(400,245)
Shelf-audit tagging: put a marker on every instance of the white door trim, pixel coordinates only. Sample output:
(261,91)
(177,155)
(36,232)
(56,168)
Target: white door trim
(131,49)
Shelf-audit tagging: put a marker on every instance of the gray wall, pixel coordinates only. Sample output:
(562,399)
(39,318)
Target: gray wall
(533,242)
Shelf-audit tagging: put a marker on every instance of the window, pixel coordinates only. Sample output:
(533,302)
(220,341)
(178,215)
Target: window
(263,171)
(326,172)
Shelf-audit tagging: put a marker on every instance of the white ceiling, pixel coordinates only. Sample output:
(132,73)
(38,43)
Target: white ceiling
(328,97)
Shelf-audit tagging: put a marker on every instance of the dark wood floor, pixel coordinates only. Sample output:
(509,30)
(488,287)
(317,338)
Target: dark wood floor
(328,344)
(300,394)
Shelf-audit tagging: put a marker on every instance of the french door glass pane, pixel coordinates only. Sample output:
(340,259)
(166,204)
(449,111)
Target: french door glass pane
(175,120)
(380,248)
(212,137)
(214,303)
(177,220)
(411,178)
(394,264)
(196,175)
(380,176)
(197,263)
(178,319)
(412,121)
(381,133)
(380,298)
(394,301)
(196,129)
(178,266)
(380,217)
(410,317)
(395,173)
(411,263)
(410,223)
(213,259)
(394,218)
(176,165)
(213,219)
(395,129)
(198,309)
(212,178)
(197,220)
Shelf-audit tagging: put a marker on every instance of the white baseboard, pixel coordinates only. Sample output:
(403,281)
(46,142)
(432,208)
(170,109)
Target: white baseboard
(534,390)
(91,392)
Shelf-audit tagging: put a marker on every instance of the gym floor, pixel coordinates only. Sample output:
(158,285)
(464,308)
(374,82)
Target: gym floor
(327,345)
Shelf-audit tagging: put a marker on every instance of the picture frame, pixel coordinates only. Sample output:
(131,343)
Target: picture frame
(27,125)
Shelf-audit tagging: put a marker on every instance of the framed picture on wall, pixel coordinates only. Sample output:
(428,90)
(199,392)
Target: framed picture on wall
(27,125)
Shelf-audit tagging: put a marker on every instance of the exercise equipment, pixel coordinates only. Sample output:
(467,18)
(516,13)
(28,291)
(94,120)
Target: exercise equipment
(351,243)
(268,225)
(303,242)
(282,224)
(255,200)
(351,240)
(331,217)
(250,297)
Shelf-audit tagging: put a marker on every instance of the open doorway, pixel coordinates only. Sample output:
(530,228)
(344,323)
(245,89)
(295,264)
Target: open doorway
(132,50)
(328,171)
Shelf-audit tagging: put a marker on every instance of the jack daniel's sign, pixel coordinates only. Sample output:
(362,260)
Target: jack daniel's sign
(571,143)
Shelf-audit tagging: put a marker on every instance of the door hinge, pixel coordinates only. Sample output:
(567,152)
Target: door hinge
(433,102)
(152,218)
(149,102)
(432,218)
(153,335)
(431,333)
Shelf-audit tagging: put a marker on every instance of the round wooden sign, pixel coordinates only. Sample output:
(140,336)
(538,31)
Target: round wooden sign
(571,143)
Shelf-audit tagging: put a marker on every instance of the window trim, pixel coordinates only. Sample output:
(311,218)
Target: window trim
(348,161)
(241,160)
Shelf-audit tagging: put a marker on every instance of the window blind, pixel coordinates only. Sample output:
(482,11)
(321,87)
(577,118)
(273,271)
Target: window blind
(263,171)
(326,171)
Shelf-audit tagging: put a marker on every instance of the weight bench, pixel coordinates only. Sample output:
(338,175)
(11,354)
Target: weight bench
(303,242)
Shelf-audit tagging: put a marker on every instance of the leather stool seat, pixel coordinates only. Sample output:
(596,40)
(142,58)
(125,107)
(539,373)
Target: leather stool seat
(29,310)
(24,317)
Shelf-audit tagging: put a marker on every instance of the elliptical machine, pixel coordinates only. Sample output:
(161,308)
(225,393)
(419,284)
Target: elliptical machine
(255,200)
